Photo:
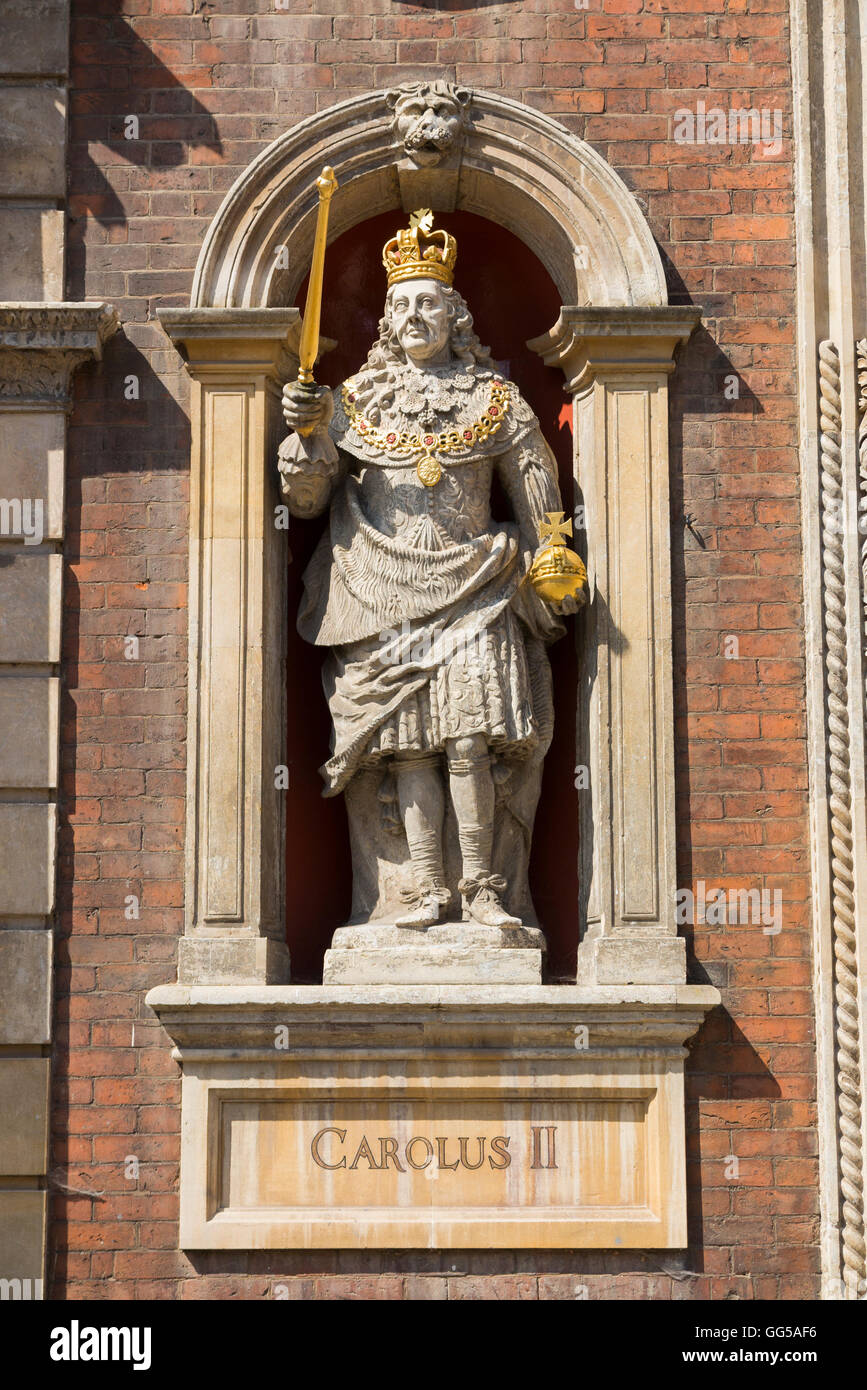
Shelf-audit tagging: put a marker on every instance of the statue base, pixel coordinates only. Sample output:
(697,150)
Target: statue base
(432,1117)
(450,953)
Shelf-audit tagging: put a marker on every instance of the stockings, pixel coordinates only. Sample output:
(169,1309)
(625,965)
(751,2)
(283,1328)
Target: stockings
(472,791)
(421,799)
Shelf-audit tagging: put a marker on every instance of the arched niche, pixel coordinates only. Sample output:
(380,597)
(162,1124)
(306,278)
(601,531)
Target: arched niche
(517,167)
(614,339)
(316,831)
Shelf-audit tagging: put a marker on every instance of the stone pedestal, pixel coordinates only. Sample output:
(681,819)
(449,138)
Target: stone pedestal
(450,953)
(432,1117)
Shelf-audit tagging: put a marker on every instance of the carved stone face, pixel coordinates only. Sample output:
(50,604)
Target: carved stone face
(429,118)
(419,314)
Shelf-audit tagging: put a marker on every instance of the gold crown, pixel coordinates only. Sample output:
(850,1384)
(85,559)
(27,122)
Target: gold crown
(415,252)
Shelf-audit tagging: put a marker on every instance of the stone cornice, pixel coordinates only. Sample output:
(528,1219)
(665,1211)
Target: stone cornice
(41,345)
(226,339)
(241,1018)
(588,339)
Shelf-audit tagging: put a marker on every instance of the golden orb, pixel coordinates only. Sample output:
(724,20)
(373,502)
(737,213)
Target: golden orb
(558,573)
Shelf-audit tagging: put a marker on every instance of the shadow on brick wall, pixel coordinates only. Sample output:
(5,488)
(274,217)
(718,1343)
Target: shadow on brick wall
(124,98)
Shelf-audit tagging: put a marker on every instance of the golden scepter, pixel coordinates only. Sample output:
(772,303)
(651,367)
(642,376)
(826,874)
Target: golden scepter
(309,349)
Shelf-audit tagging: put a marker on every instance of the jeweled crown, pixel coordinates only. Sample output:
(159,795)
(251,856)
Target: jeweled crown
(418,251)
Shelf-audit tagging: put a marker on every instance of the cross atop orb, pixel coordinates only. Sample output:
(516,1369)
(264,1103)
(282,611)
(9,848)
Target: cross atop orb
(555,529)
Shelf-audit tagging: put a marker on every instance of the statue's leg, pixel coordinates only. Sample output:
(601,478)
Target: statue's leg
(421,799)
(472,791)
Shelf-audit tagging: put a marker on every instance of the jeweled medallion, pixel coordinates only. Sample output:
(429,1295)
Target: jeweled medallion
(429,470)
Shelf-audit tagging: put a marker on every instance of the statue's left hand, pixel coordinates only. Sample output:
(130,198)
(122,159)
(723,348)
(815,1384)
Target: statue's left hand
(566,606)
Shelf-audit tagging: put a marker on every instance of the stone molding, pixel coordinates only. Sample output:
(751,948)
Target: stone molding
(42,344)
(203,1020)
(829,92)
(847,1021)
(518,167)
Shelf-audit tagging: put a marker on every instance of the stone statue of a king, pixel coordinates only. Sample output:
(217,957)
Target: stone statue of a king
(437,680)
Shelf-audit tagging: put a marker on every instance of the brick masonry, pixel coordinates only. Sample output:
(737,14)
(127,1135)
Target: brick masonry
(211,85)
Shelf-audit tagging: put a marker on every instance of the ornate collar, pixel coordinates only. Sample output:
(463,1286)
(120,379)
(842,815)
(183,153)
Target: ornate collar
(399,444)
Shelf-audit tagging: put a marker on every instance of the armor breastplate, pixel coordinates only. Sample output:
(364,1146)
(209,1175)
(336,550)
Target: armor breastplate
(456,510)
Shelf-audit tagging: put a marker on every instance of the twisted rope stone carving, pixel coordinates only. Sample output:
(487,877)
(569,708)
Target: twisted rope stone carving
(840,807)
(861,359)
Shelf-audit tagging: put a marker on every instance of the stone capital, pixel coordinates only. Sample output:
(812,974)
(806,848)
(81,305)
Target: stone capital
(42,344)
(258,342)
(586,342)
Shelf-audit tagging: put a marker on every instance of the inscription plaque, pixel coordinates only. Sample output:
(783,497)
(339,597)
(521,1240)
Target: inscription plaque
(393,1155)
(539,1118)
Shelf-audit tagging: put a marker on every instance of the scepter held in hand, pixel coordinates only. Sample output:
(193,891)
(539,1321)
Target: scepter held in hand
(309,348)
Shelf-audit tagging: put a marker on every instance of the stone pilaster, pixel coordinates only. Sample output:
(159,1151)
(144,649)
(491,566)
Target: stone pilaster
(617,363)
(235,927)
(41,344)
(829,89)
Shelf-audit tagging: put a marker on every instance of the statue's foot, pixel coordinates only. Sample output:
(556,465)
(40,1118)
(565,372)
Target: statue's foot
(482,902)
(427,906)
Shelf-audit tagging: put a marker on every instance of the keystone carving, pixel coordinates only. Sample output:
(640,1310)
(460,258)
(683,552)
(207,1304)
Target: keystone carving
(429,120)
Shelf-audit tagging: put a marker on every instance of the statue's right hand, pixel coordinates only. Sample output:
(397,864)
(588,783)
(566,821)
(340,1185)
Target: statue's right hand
(307,407)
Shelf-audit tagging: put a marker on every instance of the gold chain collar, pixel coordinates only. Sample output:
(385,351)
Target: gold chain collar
(400,444)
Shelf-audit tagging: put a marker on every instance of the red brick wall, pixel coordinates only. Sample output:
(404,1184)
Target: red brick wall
(211,85)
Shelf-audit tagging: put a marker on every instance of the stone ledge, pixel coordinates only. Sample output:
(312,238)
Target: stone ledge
(61,325)
(342,1017)
(432,996)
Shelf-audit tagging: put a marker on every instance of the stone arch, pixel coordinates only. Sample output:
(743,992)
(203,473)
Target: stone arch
(614,340)
(518,167)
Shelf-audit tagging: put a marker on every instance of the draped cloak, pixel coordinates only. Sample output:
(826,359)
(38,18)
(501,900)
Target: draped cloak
(432,632)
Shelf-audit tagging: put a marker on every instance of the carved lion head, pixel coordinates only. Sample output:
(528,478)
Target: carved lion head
(429,118)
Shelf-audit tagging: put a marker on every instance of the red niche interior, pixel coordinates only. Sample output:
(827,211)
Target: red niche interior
(512,298)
